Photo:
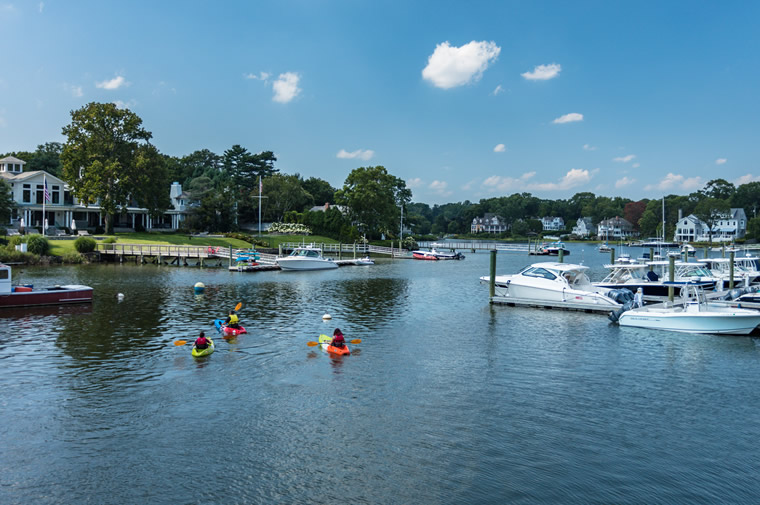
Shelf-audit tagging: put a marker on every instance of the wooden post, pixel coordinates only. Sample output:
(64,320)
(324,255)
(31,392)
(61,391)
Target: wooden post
(561,255)
(280,248)
(671,277)
(492,281)
(706,254)
(612,255)
(230,255)
(731,270)
(723,251)
(340,251)
(354,249)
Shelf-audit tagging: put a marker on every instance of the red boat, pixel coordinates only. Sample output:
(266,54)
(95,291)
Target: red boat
(28,296)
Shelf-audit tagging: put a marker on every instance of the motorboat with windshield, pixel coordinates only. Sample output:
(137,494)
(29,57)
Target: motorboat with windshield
(652,277)
(434,255)
(306,258)
(556,284)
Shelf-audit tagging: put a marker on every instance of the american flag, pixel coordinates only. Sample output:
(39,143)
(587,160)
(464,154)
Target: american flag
(47,194)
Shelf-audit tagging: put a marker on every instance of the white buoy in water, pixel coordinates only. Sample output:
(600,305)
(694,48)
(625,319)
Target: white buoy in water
(327,316)
(199,287)
(120,296)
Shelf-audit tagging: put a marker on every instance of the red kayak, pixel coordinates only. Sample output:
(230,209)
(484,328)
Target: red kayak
(226,330)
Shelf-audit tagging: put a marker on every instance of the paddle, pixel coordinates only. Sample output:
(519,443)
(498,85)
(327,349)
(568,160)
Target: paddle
(181,342)
(354,341)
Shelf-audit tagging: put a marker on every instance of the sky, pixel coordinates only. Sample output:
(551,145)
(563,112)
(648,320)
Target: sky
(462,100)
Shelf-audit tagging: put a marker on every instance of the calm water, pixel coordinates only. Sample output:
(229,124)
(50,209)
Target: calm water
(447,400)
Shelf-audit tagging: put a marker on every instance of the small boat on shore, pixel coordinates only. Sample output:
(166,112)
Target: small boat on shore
(29,296)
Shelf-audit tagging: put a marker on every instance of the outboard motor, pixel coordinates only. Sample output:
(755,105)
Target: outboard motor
(621,296)
(615,314)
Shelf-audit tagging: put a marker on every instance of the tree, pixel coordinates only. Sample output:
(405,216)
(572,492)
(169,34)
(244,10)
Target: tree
(747,196)
(284,193)
(374,198)
(719,189)
(753,228)
(320,190)
(246,168)
(108,159)
(709,211)
(6,202)
(633,212)
(47,157)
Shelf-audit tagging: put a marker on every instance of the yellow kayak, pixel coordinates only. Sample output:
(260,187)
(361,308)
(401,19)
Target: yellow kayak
(204,352)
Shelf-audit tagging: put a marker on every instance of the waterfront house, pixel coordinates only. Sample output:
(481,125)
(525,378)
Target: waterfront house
(727,228)
(553,223)
(489,223)
(584,228)
(61,208)
(616,228)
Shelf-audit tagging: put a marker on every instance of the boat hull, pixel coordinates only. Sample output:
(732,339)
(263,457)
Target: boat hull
(730,322)
(295,264)
(57,295)
(325,341)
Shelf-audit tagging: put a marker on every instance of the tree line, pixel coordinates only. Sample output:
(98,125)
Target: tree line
(108,157)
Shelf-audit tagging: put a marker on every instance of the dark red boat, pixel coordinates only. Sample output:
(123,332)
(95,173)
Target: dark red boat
(28,296)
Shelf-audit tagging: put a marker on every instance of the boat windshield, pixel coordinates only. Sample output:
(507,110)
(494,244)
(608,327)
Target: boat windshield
(307,253)
(539,272)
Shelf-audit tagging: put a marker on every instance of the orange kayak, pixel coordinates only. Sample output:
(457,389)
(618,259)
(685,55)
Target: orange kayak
(325,341)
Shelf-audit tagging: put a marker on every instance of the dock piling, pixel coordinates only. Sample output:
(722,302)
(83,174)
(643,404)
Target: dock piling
(492,280)
(671,277)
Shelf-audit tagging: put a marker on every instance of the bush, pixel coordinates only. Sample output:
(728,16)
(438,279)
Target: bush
(72,258)
(37,244)
(85,244)
(110,240)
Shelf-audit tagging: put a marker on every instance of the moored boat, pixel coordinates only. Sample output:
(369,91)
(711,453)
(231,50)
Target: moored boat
(29,296)
(434,255)
(306,258)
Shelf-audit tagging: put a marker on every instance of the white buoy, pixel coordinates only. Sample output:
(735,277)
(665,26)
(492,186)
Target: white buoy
(199,287)
(120,296)
(327,316)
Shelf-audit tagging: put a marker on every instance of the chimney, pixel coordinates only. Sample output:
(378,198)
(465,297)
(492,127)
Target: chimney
(680,214)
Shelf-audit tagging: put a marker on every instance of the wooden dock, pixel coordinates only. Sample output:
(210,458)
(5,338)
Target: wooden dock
(559,305)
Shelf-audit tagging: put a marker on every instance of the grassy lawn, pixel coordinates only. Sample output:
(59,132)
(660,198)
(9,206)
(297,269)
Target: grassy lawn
(61,247)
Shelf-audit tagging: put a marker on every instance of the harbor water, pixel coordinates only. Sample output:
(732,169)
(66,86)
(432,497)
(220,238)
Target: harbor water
(447,400)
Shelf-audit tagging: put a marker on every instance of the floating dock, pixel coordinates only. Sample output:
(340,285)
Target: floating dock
(589,307)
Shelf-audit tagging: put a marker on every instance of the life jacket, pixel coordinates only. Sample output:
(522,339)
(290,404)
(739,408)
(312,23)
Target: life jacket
(233,319)
(201,342)
(338,341)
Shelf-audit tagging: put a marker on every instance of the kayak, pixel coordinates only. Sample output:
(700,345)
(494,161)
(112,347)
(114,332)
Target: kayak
(325,341)
(204,352)
(219,323)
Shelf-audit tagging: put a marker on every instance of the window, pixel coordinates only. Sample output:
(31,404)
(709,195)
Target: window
(40,193)
(3,274)
(55,196)
(540,272)
(27,194)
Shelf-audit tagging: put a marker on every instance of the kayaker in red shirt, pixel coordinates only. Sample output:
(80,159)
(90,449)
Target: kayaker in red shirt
(201,342)
(338,340)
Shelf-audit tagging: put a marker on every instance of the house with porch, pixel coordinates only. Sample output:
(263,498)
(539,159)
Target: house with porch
(727,228)
(489,223)
(553,223)
(616,228)
(61,209)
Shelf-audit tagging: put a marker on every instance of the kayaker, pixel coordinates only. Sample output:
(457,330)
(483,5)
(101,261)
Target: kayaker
(232,320)
(338,340)
(201,342)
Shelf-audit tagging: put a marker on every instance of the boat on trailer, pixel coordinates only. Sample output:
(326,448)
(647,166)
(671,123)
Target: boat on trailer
(29,296)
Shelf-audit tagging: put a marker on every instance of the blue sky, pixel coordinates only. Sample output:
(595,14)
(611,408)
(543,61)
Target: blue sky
(463,100)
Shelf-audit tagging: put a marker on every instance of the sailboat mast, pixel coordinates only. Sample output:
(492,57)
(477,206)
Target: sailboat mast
(663,219)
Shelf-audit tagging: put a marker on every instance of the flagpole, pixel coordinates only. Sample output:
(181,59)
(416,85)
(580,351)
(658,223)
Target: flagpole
(44,197)
(260,187)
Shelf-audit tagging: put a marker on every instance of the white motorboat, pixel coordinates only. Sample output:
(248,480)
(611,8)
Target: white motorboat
(306,258)
(692,314)
(555,284)
(366,261)
(638,275)
(434,254)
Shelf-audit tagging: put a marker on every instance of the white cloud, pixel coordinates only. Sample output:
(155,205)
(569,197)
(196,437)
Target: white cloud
(498,90)
(676,181)
(414,182)
(500,183)
(575,177)
(362,154)
(7,7)
(500,148)
(543,72)
(76,91)
(568,118)
(588,147)
(624,159)
(125,105)
(744,179)
(41,7)
(449,67)
(440,187)
(263,76)
(115,83)
(286,87)
(720,161)
(625,181)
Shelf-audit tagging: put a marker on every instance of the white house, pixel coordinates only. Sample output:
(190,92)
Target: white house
(584,228)
(727,228)
(61,208)
(615,229)
(553,223)
(489,223)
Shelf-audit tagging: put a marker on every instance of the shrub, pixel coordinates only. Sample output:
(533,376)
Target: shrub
(72,258)
(110,240)
(85,244)
(37,244)
(290,228)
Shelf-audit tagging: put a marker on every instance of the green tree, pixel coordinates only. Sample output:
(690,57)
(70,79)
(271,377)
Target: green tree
(719,189)
(374,198)
(245,168)
(284,193)
(710,211)
(747,196)
(47,157)
(320,190)
(753,228)
(108,159)
(6,202)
